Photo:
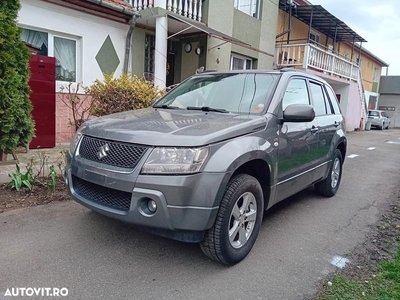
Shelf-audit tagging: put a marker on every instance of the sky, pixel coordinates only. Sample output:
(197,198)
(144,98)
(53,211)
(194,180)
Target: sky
(377,21)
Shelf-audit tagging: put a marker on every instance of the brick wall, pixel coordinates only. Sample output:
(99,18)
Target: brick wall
(64,131)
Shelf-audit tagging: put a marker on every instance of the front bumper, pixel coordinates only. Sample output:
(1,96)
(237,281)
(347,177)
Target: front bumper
(184,203)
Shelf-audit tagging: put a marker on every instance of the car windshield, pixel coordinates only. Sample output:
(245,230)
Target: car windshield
(373,114)
(237,93)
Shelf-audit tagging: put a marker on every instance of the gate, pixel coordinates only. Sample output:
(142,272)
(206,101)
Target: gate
(43,98)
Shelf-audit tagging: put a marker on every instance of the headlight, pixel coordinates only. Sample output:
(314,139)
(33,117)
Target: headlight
(74,142)
(175,160)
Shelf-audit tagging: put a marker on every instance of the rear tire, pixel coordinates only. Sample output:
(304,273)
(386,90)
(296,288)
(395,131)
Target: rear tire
(330,185)
(237,223)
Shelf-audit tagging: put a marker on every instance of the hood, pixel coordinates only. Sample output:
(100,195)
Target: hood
(168,127)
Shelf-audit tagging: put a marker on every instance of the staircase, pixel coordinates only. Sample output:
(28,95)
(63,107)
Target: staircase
(361,91)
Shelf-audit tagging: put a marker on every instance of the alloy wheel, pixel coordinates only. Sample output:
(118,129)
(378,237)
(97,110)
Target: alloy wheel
(335,172)
(242,220)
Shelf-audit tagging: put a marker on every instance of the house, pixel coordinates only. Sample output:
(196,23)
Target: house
(167,41)
(86,37)
(172,39)
(389,99)
(312,39)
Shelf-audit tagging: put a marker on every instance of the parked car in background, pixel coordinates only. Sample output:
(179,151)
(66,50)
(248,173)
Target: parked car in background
(379,119)
(209,157)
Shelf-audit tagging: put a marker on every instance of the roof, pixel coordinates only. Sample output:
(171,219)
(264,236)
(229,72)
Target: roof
(116,9)
(122,3)
(323,21)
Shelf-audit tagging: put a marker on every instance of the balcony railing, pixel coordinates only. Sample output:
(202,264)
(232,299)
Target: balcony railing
(191,9)
(309,56)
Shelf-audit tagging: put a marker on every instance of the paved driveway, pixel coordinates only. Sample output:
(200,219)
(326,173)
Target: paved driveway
(66,245)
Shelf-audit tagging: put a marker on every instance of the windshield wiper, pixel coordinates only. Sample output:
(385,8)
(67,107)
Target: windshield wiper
(207,108)
(167,106)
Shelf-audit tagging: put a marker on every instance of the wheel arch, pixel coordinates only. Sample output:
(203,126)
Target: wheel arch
(261,171)
(342,146)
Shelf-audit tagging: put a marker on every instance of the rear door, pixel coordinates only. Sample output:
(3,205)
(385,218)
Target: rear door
(329,121)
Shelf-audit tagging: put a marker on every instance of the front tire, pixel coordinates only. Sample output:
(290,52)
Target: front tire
(330,185)
(237,223)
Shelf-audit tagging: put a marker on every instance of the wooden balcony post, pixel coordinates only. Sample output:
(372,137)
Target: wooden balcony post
(195,9)
(185,9)
(306,56)
(180,7)
(199,13)
(332,68)
(190,9)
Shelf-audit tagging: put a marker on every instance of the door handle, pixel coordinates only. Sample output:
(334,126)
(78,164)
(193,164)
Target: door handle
(336,124)
(314,129)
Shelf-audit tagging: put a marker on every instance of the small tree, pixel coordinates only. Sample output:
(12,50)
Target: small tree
(16,125)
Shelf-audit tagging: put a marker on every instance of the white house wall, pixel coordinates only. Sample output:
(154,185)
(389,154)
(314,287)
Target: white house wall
(90,32)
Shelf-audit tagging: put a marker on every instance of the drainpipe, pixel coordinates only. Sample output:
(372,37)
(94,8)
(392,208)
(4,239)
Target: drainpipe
(310,25)
(132,24)
(290,21)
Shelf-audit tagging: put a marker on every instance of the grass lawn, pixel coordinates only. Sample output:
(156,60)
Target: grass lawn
(385,285)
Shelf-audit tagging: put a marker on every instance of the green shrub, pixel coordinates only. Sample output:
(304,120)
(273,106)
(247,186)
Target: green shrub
(20,180)
(16,125)
(121,94)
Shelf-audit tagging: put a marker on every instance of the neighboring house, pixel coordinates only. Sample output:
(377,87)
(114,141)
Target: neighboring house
(389,99)
(312,39)
(86,37)
(172,39)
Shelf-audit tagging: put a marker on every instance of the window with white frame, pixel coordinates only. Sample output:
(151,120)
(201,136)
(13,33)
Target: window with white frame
(64,49)
(376,74)
(239,62)
(250,7)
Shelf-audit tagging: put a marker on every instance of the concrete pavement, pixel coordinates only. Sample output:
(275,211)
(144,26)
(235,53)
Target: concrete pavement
(53,156)
(66,245)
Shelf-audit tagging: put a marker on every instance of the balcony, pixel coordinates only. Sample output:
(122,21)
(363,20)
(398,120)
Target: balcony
(191,9)
(309,56)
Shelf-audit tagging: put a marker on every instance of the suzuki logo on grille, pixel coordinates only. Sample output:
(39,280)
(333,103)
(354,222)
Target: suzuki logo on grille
(103,151)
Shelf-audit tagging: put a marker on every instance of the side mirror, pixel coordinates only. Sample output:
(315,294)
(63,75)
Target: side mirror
(299,113)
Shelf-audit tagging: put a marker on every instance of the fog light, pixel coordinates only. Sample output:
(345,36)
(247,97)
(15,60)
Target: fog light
(152,205)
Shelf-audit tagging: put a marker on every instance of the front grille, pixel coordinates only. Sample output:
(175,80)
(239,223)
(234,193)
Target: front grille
(117,154)
(103,195)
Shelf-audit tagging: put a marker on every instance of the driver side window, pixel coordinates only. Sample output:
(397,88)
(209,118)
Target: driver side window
(296,93)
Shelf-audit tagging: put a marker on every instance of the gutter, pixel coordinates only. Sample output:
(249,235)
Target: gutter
(132,24)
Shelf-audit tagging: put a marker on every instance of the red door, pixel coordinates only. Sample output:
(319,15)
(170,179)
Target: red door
(43,97)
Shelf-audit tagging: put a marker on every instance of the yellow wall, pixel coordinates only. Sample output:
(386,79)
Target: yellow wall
(368,65)
(299,35)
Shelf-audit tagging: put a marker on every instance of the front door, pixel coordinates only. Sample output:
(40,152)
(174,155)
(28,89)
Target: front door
(170,68)
(298,145)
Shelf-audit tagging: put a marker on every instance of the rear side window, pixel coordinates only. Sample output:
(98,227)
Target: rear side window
(333,99)
(296,93)
(318,99)
(373,114)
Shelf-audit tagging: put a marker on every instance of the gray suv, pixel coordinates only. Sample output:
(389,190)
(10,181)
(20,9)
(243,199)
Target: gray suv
(208,158)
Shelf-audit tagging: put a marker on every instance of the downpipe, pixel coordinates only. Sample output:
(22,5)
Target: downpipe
(132,24)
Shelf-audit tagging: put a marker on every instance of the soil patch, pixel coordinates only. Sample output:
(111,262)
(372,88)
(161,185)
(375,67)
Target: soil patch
(380,244)
(40,194)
